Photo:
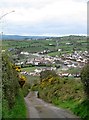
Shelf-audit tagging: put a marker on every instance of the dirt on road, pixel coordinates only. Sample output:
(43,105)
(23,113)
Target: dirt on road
(37,108)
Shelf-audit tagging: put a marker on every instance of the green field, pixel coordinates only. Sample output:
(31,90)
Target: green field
(28,69)
(78,43)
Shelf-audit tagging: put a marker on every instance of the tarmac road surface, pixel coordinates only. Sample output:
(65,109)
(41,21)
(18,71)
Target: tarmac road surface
(37,108)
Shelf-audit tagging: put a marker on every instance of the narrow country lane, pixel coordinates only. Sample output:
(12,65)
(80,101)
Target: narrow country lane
(37,108)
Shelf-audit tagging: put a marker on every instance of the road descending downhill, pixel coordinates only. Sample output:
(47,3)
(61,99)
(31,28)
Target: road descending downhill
(37,108)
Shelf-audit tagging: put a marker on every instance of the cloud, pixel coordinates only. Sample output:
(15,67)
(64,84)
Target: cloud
(52,15)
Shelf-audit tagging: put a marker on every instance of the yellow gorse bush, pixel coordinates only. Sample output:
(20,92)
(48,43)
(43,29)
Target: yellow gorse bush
(50,80)
(17,68)
(22,78)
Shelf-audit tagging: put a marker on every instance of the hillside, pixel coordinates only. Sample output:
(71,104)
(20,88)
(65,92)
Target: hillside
(63,92)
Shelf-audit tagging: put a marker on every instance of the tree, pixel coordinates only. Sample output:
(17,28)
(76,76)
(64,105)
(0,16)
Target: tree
(85,78)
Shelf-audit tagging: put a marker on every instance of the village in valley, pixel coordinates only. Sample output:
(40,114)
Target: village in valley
(41,61)
(65,62)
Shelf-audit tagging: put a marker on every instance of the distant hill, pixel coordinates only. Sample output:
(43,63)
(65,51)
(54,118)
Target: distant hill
(18,37)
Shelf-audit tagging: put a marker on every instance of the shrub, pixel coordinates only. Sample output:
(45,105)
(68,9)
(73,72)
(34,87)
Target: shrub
(10,85)
(46,73)
(85,78)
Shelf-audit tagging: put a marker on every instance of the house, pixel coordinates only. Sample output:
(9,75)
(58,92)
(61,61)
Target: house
(24,53)
(65,74)
(19,63)
(37,70)
(3,50)
(78,60)
(68,43)
(59,50)
(70,75)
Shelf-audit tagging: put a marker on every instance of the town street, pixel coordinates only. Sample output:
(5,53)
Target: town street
(37,108)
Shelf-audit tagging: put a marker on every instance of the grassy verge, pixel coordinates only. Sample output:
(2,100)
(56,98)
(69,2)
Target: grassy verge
(18,111)
(78,108)
(25,89)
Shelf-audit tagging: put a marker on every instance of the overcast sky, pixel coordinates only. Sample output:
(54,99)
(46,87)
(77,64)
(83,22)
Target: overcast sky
(44,17)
